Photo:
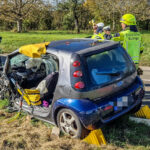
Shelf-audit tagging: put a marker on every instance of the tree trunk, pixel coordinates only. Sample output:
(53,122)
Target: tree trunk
(113,19)
(76,22)
(19,25)
(113,24)
(77,25)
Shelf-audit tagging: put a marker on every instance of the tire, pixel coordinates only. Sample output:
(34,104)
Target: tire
(69,124)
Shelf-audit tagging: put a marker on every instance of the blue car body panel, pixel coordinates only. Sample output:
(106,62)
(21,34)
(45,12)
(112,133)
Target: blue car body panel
(88,111)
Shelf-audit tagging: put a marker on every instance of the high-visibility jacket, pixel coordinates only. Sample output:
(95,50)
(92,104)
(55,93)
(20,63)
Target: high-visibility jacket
(96,36)
(101,35)
(132,42)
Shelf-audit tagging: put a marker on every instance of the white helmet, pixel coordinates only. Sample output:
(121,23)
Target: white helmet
(101,24)
(107,28)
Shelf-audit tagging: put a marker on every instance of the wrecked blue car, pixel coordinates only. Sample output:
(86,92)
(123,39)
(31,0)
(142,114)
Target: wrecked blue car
(78,84)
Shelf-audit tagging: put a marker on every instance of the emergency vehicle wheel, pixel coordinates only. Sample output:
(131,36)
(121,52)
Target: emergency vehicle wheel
(69,123)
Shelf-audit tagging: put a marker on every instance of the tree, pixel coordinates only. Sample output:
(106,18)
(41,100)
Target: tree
(110,11)
(40,17)
(16,10)
(72,7)
(70,14)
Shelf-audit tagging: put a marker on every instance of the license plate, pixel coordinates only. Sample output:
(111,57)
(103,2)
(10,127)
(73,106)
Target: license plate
(123,101)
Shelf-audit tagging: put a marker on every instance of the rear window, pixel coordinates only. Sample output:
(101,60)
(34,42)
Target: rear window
(109,66)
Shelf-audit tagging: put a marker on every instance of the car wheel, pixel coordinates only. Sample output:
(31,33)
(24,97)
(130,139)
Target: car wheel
(69,124)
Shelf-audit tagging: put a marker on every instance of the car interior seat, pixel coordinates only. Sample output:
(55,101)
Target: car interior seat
(47,86)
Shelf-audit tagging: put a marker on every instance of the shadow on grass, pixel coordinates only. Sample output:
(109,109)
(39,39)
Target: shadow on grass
(124,132)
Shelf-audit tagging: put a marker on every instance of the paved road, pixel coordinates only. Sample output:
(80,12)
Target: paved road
(146,79)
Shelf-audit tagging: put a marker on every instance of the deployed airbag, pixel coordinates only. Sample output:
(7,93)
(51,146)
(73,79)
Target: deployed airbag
(33,63)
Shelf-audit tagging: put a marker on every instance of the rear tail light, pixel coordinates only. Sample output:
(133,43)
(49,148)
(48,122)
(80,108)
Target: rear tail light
(76,64)
(79,85)
(77,74)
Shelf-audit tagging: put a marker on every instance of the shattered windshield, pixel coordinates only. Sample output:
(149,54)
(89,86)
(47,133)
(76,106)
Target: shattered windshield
(48,61)
(18,60)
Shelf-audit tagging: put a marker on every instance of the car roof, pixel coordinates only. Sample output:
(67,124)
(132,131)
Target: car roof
(79,45)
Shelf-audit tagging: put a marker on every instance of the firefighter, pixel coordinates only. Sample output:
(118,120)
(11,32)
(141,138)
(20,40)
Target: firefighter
(98,31)
(130,38)
(107,33)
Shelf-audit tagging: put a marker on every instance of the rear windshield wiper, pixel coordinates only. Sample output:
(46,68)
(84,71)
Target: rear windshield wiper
(111,74)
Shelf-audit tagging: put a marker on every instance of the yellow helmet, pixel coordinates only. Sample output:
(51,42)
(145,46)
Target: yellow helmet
(128,19)
(92,22)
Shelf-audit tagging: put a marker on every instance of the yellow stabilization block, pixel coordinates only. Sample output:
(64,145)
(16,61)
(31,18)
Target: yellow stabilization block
(144,112)
(95,137)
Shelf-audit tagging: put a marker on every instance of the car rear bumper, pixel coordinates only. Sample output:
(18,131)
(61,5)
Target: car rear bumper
(93,120)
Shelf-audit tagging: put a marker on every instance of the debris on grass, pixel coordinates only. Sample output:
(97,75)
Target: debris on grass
(28,133)
(55,133)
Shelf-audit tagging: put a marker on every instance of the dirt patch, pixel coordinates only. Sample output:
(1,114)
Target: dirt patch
(28,135)
(31,134)
(5,114)
(23,134)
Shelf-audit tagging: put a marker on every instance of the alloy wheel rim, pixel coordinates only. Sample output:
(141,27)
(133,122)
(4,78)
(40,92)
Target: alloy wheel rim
(68,124)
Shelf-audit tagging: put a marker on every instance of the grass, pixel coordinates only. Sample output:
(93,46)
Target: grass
(11,41)
(127,134)
(145,59)
(3,104)
(120,134)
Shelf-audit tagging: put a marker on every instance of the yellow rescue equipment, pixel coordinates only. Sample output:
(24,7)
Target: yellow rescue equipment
(32,97)
(34,50)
